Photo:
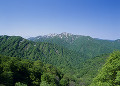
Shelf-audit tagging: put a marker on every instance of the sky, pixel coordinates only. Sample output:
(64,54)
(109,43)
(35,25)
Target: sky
(30,18)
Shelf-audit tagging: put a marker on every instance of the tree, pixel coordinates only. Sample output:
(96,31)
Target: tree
(110,73)
(20,84)
(7,78)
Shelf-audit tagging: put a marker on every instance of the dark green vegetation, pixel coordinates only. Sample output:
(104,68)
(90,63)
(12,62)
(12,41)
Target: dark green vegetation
(90,68)
(66,60)
(78,57)
(22,72)
(15,46)
(110,73)
(85,45)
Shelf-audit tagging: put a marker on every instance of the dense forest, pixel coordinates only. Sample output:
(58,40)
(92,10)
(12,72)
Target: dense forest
(16,46)
(45,63)
(109,75)
(15,71)
(88,47)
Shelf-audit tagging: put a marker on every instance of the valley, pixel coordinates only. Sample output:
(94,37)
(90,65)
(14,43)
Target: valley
(77,58)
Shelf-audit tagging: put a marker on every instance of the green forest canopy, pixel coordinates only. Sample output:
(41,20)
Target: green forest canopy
(16,71)
(76,69)
(110,72)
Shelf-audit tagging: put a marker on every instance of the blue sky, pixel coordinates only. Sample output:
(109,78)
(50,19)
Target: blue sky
(95,18)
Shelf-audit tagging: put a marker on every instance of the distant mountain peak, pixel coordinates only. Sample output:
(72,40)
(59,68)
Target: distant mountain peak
(118,40)
(65,33)
(52,34)
(61,35)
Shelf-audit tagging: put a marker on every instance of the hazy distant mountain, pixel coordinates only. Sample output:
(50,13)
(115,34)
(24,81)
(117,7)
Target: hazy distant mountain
(86,45)
(68,37)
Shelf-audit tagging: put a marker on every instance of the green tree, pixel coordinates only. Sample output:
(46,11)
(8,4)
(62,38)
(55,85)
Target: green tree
(20,84)
(7,78)
(109,75)
(44,83)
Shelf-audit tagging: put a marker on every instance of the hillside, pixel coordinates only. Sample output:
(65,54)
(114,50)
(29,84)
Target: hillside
(88,47)
(16,46)
(23,72)
(109,75)
(80,70)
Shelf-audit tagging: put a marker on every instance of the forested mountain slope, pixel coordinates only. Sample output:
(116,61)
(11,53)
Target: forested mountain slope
(80,70)
(86,45)
(15,71)
(89,68)
(16,46)
(110,72)
(66,60)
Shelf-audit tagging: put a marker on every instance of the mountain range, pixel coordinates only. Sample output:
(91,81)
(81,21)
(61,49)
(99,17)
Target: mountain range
(87,46)
(78,57)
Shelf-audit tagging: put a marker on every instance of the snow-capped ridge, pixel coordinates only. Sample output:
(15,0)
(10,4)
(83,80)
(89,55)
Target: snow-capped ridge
(61,35)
